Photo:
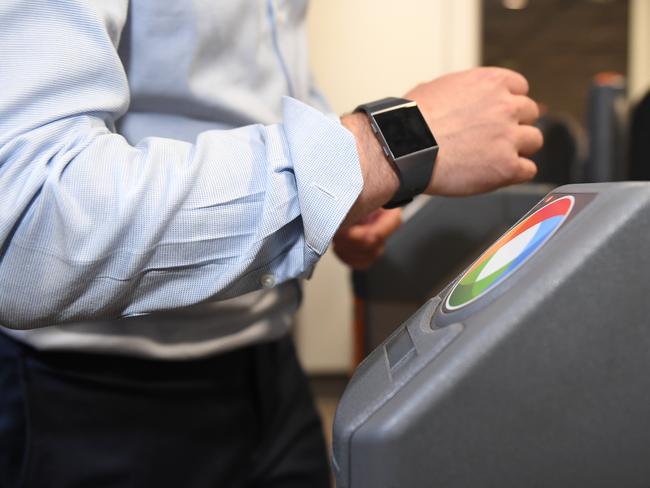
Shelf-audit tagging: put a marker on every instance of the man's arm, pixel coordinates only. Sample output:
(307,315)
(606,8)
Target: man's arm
(480,152)
(481,119)
(93,227)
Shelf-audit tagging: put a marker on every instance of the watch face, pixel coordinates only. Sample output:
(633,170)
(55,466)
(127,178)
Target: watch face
(404,130)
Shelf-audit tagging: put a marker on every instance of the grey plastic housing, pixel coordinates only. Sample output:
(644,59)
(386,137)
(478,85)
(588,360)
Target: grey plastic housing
(437,242)
(544,381)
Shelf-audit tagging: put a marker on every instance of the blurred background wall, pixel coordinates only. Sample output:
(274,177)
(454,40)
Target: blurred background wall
(367,49)
(639,48)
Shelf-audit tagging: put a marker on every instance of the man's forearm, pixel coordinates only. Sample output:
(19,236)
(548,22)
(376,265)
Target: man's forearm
(481,119)
(379,179)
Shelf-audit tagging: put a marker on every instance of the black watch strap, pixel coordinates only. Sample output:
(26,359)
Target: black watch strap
(378,105)
(414,179)
(414,170)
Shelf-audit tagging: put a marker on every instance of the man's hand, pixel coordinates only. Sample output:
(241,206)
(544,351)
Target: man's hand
(362,244)
(481,119)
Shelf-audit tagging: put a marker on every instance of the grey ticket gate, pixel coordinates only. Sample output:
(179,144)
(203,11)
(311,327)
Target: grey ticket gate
(530,369)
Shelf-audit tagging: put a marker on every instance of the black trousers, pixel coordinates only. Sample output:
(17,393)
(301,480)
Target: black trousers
(241,419)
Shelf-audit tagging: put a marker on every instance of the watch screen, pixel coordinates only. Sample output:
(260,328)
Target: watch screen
(405,130)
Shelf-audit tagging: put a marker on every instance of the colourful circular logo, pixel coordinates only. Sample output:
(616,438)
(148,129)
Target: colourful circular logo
(509,253)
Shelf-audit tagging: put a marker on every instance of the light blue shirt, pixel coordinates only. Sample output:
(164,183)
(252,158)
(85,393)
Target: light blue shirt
(125,189)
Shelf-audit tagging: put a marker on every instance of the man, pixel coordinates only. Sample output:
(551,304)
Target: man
(159,200)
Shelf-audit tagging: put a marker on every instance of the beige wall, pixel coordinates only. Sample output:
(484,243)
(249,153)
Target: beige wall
(639,42)
(363,50)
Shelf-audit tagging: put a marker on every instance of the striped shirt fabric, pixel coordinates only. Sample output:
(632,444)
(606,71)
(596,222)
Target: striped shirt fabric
(167,171)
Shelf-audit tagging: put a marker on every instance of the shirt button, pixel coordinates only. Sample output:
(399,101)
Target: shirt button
(267,281)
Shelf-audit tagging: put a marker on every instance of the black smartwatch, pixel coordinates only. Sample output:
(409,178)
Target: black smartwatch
(407,142)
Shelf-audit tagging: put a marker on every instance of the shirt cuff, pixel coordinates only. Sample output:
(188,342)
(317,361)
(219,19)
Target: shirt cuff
(327,171)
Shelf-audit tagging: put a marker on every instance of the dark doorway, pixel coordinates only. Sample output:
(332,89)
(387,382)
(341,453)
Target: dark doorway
(559,45)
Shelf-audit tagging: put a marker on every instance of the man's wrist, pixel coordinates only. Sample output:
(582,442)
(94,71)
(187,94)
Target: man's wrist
(380,180)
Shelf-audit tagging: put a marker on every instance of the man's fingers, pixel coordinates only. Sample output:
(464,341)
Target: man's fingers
(373,231)
(527,109)
(529,140)
(526,171)
(359,260)
(363,261)
(346,244)
(359,233)
(387,223)
(515,82)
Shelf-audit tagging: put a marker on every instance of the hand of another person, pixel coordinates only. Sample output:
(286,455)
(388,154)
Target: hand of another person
(482,120)
(362,244)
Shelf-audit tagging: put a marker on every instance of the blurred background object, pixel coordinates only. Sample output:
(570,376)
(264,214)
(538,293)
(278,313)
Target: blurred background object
(559,45)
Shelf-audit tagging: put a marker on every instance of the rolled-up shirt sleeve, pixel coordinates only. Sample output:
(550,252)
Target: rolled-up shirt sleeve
(93,227)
